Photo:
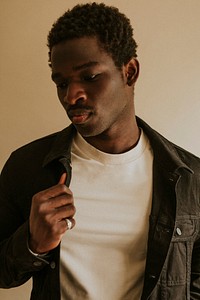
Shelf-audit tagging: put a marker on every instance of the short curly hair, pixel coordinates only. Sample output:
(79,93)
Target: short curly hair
(112,29)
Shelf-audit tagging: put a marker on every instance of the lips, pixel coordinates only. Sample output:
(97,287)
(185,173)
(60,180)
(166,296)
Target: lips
(79,116)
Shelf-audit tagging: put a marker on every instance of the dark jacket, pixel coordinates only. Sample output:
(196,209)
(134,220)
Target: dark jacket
(173,256)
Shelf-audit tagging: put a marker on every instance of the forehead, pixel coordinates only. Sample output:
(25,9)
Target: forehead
(77,52)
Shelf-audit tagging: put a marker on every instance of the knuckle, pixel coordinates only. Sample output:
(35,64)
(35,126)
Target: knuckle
(42,209)
(73,210)
(36,198)
(63,188)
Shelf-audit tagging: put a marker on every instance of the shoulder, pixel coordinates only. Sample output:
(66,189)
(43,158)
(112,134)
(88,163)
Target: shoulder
(41,146)
(37,148)
(186,156)
(170,155)
(33,153)
(25,166)
(181,155)
(27,159)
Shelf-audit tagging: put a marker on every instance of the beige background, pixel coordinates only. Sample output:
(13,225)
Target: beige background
(167,92)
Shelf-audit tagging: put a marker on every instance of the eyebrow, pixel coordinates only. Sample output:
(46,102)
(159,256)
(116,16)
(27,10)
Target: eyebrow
(76,68)
(86,65)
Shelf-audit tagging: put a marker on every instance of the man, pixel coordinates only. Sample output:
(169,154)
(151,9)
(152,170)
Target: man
(129,196)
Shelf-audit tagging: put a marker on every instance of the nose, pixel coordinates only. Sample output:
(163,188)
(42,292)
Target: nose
(74,92)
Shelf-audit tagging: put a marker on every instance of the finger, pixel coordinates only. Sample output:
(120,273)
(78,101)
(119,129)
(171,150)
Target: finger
(63,178)
(52,192)
(64,212)
(60,201)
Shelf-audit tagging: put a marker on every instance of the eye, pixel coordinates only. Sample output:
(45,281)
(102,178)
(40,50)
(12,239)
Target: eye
(91,77)
(62,85)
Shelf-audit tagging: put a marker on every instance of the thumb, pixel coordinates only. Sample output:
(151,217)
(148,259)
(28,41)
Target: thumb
(63,178)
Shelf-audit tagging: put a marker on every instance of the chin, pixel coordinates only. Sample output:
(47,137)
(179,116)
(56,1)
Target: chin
(88,131)
(85,132)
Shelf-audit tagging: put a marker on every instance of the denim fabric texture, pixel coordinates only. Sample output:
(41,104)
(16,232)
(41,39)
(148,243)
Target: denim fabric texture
(173,256)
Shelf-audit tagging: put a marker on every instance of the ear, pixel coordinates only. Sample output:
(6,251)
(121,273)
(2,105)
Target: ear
(132,71)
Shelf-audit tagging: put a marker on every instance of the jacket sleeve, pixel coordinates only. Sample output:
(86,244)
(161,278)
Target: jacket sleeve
(195,272)
(17,264)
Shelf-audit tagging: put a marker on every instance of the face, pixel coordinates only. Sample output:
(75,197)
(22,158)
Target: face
(94,93)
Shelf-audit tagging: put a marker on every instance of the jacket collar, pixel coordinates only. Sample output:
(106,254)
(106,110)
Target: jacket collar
(61,147)
(165,152)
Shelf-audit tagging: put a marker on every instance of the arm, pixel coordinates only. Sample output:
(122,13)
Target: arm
(17,263)
(15,260)
(40,231)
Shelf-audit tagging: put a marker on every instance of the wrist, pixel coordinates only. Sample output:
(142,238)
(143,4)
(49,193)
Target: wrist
(36,253)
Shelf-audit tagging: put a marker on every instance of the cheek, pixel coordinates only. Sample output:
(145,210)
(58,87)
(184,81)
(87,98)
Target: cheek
(102,94)
(109,95)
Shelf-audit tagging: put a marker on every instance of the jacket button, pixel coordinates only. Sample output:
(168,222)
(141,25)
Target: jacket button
(37,263)
(178,231)
(52,264)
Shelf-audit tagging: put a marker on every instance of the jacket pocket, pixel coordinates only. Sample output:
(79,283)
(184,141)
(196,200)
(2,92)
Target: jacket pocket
(178,263)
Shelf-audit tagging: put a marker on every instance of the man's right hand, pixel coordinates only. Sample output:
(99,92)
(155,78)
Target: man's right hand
(49,210)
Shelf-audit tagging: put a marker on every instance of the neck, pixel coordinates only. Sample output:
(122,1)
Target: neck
(117,142)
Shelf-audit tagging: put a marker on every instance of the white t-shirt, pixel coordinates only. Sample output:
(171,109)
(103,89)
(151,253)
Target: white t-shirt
(103,257)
